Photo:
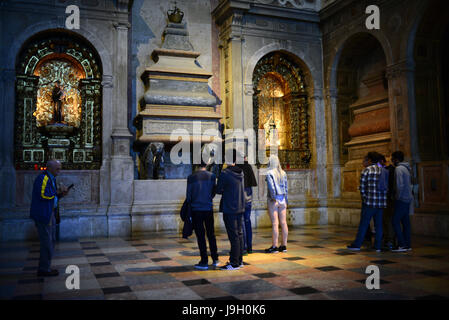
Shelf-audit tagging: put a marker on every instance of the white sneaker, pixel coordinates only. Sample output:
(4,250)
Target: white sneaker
(229,267)
(399,249)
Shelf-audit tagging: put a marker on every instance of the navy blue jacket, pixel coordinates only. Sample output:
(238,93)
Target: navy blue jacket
(186,216)
(231,186)
(201,190)
(43,199)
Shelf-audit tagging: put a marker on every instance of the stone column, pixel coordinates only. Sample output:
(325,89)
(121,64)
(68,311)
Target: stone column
(235,41)
(234,87)
(105,178)
(333,147)
(248,91)
(122,165)
(402,108)
(7,170)
(317,103)
(237,82)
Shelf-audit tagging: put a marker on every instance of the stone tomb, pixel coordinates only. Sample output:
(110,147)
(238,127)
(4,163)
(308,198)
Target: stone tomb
(177,102)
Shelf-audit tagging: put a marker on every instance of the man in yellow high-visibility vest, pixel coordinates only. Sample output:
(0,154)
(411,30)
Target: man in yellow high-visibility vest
(43,208)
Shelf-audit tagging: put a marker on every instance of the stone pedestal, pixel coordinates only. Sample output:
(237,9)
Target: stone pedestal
(370,130)
(178,102)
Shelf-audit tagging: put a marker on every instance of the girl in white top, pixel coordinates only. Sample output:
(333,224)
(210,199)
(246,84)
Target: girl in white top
(277,203)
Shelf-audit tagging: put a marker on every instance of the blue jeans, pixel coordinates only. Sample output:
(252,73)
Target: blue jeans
(233,224)
(46,239)
(247,230)
(401,216)
(367,214)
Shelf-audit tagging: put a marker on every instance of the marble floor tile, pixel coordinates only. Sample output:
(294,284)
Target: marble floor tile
(160,266)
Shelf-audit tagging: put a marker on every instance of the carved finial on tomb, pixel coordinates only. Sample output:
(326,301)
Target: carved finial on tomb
(175,15)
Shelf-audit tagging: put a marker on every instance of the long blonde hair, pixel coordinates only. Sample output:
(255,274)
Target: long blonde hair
(276,169)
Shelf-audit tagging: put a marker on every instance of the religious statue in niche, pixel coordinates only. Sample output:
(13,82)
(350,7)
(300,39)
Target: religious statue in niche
(280,108)
(58,96)
(274,112)
(58,102)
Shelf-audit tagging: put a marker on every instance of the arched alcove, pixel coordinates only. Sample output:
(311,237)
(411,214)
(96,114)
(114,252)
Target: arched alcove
(363,110)
(280,103)
(62,123)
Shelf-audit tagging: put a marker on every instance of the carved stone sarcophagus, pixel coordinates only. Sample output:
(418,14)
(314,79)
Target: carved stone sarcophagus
(177,97)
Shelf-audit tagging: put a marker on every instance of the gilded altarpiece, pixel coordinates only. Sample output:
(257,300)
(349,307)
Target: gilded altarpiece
(280,102)
(69,130)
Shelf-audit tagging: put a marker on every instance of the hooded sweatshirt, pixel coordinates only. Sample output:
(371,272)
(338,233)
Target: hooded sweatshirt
(249,179)
(403,182)
(231,186)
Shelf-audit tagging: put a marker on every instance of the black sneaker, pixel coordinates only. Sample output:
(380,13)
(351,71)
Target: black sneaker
(353,248)
(201,266)
(216,263)
(282,249)
(229,267)
(51,273)
(272,250)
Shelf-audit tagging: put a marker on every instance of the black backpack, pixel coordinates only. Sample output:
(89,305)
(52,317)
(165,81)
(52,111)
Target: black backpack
(382,185)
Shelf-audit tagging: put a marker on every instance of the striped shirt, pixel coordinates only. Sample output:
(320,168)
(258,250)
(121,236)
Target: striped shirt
(369,181)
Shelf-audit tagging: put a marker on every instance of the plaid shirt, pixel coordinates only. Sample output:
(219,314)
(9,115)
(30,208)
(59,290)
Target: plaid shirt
(368,188)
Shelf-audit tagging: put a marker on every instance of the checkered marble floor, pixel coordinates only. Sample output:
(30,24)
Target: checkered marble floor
(160,266)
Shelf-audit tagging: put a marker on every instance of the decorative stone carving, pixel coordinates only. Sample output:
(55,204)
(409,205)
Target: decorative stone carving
(153,161)
(399,69)
(177,37)
(332,93)
(249,89)
(298,4)
(122,25)
(107,81)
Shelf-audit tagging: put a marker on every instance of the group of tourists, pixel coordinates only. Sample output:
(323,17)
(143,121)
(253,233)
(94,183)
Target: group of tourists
(387,197)
(386,192)
(235,184)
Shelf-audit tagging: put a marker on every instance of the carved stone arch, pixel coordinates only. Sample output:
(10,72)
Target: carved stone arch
(53,25)
(311,72)
(331,79)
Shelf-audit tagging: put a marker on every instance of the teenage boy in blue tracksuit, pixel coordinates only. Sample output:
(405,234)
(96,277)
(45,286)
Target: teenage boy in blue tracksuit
(231,186)
(200,192)
(43,208)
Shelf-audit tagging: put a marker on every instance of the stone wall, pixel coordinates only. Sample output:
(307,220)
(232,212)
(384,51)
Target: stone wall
(111,202)
(342,21)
